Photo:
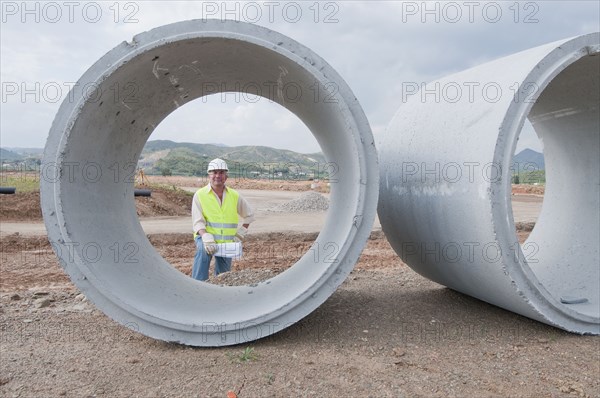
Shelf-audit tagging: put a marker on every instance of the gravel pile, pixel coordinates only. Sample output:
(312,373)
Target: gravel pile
(243,277)
(307,202)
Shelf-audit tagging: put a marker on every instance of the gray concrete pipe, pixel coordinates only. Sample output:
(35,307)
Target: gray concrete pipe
(96,139)
(445,194)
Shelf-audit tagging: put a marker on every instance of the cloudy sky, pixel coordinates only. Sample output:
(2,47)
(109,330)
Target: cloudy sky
(379,48)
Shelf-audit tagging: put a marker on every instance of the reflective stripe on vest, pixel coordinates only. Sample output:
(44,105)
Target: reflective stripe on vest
(221,220)
(221,225)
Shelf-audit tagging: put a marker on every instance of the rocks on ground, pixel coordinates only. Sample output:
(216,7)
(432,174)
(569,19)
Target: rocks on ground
(307,202)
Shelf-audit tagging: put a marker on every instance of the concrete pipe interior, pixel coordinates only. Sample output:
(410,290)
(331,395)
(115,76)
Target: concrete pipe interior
(157,72)
(563,247)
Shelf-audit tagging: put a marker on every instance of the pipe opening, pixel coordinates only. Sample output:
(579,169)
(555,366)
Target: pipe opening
(284,190)
(565,257)
(528,179)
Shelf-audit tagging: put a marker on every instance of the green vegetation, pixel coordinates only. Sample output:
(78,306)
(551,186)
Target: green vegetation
(23,181)
(246,356)
(189,159)
(530,177)
(181,161)
(270,378)
(6,155)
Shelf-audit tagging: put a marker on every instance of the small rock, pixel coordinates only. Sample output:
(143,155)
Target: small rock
(44,303)
(399,352)
(79,307)
(15,297)
(40,294)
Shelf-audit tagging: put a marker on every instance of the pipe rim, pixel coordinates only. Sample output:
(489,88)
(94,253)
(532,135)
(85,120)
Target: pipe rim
(546,302)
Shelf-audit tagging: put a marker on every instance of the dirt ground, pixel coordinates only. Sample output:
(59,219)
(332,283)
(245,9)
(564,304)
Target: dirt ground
(386,332)
(528,189)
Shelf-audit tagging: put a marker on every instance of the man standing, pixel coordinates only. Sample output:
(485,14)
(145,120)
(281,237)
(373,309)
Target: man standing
(215,210)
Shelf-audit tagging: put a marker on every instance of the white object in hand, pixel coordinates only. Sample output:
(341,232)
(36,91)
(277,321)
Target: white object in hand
(229,250)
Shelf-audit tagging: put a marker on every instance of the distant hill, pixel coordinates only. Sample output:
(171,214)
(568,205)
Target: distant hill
(32,152)
(528,168)
(528,160)
(184,158)
(6,155)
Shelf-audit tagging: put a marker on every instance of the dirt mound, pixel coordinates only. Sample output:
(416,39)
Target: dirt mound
(525,189)
(165,202)
(22,206)
(25,206)
(16,243)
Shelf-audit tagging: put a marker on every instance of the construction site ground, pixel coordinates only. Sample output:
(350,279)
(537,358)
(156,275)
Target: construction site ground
(386,331)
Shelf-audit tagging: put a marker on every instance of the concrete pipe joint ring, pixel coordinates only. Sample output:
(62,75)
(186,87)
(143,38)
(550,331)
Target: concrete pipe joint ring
(98,135)
(445,195)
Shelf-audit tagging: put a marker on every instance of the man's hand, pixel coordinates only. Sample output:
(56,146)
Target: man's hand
(241,233)
(210,246)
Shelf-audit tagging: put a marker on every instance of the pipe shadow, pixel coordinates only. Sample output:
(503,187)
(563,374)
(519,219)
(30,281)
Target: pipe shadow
(435,316)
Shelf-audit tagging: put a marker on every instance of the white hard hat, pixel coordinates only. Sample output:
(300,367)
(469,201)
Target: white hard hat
(217,164)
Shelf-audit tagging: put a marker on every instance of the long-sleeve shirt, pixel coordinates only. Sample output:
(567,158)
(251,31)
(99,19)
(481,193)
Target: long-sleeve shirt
(198,220)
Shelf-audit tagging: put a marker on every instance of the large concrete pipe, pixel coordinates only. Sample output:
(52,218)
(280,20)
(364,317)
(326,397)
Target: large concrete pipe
(96,139)
(445,195)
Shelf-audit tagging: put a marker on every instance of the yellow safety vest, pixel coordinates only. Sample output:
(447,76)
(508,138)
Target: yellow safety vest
(221,220)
